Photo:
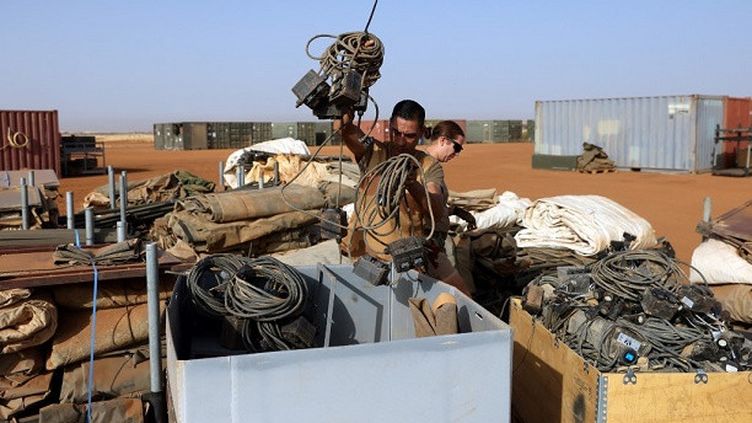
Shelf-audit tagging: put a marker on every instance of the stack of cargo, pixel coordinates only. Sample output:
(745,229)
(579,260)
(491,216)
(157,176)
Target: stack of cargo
(493,131)
(209,135)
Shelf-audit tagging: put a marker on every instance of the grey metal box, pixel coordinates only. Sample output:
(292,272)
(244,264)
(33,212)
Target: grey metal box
(374,370)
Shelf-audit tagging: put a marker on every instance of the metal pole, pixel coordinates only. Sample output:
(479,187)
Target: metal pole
(152,290)
(261,179)
(89,221)
(707,209)
(749,149)
(276,173)
(123,198)
(69,210)
(120,230)
(24,205)
(222,175)
(32,179)
(111,185)
(240,176)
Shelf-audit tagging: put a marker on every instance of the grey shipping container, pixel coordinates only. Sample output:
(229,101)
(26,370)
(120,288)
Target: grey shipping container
(167,136)
(323,132)
(366,338)
(494,131)
(261,131)
(303,131)
(671,133)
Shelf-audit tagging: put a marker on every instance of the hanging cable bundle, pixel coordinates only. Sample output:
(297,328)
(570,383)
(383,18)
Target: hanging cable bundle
(349,67)
(391,178)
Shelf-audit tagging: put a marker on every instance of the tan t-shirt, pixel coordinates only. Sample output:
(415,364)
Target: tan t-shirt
(411,220)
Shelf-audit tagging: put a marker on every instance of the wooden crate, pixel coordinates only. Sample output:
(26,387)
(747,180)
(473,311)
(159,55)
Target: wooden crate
(552,383)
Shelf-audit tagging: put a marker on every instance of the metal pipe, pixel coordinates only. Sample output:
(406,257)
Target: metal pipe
(261,179)
(276,173)
(707,209)
(120,225)
(749,149)
(111,185)
(69,214)
(24,204)
(152,291)
(32,179)
(89,224)
(123,198)
(222,175)
(240,176)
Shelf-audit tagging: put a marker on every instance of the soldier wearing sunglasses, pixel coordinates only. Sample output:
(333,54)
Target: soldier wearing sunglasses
(407,127)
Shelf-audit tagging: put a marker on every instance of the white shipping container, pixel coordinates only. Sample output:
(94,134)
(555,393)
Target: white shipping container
(671,133)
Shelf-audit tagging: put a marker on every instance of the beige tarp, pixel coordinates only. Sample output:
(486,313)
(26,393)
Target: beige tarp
(120,410)
(27,323)
(112,294)
(205,236)
(117,328)
(252,204)
(118,376)
(172,186)
(21,385)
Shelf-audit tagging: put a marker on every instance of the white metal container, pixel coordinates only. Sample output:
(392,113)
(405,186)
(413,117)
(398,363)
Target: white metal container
(672,133)
(374,370)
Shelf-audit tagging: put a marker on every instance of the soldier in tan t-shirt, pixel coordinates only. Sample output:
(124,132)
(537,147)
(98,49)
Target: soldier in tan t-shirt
(406,129)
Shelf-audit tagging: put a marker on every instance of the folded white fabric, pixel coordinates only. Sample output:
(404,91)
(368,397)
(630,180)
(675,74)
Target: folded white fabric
(507,212)
(720,263)
(585,224)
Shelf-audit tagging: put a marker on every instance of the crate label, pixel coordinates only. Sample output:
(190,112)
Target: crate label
(687,302)
(628,341)
(731,369)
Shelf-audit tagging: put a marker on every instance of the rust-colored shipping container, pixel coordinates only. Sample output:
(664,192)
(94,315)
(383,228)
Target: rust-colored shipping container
(30,140)
(737,114)
(380,130)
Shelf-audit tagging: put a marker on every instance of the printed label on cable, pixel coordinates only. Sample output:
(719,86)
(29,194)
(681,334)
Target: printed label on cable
(628,341)
(687,302)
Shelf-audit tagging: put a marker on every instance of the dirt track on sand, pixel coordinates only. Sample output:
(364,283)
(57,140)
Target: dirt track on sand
(671,202)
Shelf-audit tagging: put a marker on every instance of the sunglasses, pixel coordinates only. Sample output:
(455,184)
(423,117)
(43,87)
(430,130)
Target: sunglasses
(457,146)
(398,134)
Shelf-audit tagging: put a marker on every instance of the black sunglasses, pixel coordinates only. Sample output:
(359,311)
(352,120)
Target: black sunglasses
(457,146)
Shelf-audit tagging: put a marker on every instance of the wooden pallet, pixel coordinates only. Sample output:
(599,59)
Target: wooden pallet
(596,171)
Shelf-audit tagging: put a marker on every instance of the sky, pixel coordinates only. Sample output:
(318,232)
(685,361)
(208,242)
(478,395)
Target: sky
(124,65)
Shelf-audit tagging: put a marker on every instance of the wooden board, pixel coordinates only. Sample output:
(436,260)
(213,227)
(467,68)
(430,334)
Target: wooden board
(550,382)
(675,397)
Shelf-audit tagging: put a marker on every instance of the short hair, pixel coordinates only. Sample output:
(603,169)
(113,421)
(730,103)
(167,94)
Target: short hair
(409,110)
(446,128)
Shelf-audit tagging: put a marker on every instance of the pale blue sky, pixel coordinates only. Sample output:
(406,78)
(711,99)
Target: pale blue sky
(123,65)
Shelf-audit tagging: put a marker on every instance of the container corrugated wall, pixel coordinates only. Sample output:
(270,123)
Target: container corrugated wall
(660,133)
(737,114)
(43,132)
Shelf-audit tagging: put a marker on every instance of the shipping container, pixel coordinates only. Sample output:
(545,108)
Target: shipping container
(379,129)
(668,133)
(261,131)
(303,131)
(323,131)
(494,131)
(30,140)
(737,114)
(431,123)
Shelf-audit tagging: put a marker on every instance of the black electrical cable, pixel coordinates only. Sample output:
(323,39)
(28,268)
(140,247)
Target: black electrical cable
(628,274)
(207,282)
(265,290)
